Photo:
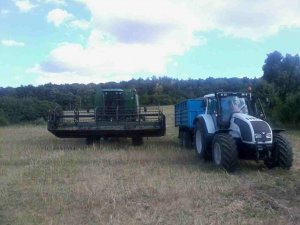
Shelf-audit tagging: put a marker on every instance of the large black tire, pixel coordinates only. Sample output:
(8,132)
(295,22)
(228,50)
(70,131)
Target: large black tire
(187,139)
(181,138)
(282,153)
(137,141)
(202,147)
(89,141)
(92,140)
(225,154)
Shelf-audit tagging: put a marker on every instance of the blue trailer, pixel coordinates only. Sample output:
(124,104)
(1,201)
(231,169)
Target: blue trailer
(185,114)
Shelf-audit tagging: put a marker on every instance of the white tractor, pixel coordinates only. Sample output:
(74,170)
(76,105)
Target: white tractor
(233,127)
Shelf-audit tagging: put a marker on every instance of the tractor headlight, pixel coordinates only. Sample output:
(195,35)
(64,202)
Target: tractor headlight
(263,136)
(258,136)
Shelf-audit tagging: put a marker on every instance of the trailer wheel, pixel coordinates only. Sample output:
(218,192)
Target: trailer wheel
(225,154)
(137,141)
(187,140)
(181,138)
(282,153)
(201,148)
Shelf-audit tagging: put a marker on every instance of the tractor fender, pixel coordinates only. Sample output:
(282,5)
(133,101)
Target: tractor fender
(208,121)
(223,131)
(277,130)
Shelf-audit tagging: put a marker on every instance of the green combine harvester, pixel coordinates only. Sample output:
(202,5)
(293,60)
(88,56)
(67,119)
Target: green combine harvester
(116,114)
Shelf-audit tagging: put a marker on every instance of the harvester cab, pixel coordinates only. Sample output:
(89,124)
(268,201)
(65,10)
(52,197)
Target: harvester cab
(116,104)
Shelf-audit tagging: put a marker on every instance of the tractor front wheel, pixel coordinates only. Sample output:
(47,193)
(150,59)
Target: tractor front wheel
(282,153)
(225,154)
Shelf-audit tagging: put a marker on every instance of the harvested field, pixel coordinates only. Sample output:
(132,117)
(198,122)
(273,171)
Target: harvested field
(46,180)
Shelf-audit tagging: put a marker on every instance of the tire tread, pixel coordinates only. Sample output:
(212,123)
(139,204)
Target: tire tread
(284,151)
(229,158)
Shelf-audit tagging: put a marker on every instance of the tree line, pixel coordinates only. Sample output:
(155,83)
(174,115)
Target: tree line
(279,87)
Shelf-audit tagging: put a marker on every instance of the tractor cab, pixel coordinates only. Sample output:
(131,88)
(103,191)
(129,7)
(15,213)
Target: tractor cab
(229,103)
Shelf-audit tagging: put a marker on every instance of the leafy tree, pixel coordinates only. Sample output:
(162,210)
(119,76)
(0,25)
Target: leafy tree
(272,67)
(28,103)
(283,73)
(281,83)
(3,118)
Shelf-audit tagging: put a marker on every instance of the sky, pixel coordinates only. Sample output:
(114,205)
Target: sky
(95,41)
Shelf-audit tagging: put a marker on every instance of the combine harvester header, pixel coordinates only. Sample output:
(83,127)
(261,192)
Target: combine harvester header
(116,113)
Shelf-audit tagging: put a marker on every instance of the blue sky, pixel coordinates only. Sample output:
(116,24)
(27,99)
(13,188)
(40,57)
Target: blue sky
(86,41)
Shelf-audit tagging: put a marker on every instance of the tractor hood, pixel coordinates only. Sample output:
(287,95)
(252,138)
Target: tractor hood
(250,129)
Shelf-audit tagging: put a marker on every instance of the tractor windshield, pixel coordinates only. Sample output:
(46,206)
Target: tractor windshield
(232,104)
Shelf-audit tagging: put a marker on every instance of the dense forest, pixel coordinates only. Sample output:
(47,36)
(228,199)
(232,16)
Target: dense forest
(279,87)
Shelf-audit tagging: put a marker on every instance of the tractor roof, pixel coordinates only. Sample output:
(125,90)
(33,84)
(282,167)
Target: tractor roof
(113,90)
(209,95)
(224,94)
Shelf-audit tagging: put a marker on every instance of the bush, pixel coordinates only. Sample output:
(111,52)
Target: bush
(288,112)
(24,110)
(39,121)
(3,119)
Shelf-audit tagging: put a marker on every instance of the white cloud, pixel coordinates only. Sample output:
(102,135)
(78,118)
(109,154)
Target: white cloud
(80,24)
(256,20)
(58,17)
(12,43)
(142,37)
(24,5)
(57,2)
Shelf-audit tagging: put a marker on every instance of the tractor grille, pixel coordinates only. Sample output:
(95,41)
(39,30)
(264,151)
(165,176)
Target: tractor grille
(261,129)
(260,126)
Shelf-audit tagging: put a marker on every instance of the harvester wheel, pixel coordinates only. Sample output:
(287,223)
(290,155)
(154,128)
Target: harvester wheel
(225,154)
(89,141)
(201,147)
(137,141)
(92,140)
(282,153)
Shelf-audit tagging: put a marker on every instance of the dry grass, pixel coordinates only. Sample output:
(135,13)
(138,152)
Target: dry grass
(45,180)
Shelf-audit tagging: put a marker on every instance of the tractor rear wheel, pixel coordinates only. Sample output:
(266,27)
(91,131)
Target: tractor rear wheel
(282,153)
(225,154)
